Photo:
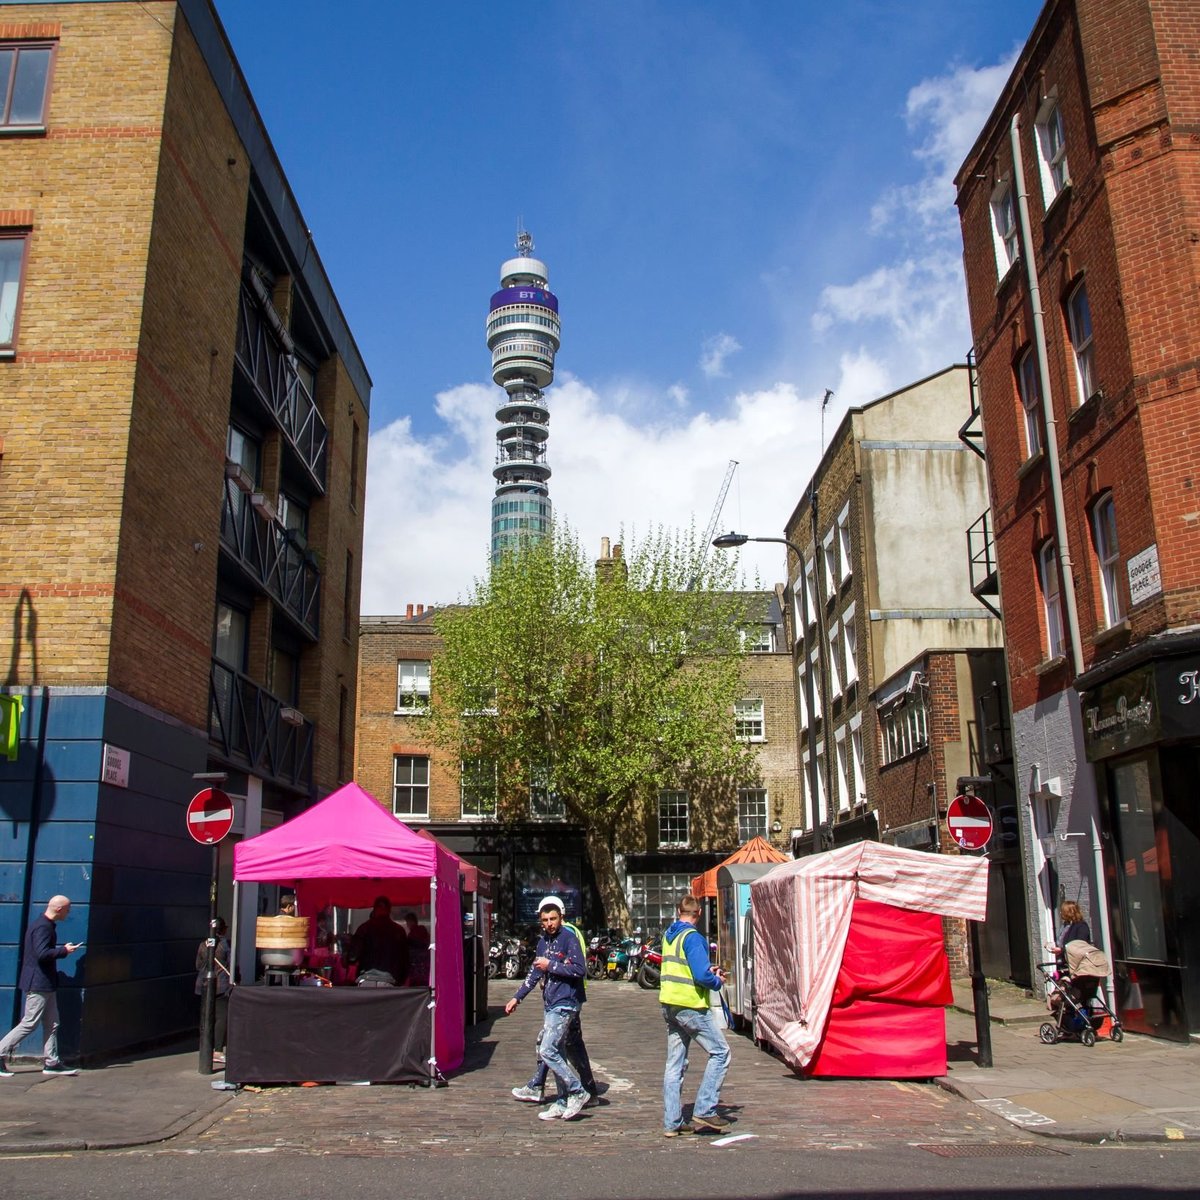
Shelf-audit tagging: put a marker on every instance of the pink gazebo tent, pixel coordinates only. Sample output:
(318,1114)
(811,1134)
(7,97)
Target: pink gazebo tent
(347,850)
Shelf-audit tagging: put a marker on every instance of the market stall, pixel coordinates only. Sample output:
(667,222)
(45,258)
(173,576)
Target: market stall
(346,851)
(850,969)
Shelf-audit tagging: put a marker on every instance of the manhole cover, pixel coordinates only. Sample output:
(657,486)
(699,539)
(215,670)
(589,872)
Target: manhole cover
(991,1150)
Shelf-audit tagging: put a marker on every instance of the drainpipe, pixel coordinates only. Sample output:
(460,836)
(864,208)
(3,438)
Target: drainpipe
(1060,523)
(1039,342)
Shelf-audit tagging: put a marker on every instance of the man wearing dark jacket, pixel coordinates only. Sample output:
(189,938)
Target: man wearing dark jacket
(560,963)
(39,982)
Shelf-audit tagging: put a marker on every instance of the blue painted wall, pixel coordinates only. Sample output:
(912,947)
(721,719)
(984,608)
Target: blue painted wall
(138,884)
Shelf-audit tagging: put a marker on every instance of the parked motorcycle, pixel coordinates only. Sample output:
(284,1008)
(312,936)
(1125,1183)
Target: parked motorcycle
(517,957)
(495,959)
(650,972)
(619,957)
(597,953)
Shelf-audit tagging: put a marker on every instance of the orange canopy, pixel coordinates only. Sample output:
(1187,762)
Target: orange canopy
(756,850)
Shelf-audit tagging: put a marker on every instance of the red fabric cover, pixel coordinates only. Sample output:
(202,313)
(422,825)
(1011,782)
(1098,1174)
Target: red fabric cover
(887,1019)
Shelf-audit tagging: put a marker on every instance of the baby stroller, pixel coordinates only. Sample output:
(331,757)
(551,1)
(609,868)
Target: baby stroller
(1075,998)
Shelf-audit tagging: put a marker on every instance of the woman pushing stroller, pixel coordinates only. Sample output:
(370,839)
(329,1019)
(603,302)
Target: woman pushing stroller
(1073,982)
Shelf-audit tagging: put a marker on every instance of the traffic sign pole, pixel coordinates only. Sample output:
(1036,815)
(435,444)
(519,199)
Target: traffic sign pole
(209,819)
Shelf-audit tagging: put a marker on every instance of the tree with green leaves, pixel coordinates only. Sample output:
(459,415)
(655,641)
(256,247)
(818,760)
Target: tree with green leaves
(596,683)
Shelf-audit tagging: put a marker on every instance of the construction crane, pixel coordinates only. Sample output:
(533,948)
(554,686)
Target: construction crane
(711,527)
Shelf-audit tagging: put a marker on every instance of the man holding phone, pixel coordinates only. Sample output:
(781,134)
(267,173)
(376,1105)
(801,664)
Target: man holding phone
(39,982)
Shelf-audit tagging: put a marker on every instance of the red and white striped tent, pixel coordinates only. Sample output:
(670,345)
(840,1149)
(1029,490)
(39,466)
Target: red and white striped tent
(803,914)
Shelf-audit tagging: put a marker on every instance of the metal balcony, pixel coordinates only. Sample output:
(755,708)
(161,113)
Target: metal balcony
(269,557)
(981,553)
(970,433)
(270,369)
(247,728)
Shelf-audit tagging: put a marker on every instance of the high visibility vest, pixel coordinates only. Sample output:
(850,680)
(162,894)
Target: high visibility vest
(677,985)
(582,946)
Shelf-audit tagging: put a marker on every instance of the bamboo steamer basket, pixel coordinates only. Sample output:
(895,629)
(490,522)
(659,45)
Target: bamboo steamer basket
(281,933)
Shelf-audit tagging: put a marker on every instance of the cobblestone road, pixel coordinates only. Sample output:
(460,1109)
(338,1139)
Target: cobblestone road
(475,1116)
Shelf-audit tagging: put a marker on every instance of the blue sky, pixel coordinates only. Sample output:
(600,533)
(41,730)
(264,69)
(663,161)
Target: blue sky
(740,205)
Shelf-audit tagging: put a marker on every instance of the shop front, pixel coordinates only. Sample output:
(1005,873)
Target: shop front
(1141,726)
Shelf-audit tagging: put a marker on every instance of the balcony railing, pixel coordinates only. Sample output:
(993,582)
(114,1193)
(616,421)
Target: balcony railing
(270,368)
(970,433)
(270,557)
(248,726)
(981,553)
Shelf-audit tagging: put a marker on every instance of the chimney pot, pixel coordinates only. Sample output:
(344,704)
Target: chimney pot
(420,609)
(604,552)
(409,613)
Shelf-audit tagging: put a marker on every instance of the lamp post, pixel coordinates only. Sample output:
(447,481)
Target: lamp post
(731,541)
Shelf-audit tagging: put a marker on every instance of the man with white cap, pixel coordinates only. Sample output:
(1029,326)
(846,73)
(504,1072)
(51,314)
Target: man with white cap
(573,1047)
(559,963)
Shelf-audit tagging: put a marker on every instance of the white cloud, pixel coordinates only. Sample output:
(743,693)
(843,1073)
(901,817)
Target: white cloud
(715,351)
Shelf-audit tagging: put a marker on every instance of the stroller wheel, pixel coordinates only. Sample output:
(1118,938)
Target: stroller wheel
(1116,1033)
(1088,1037)
(1048,1033)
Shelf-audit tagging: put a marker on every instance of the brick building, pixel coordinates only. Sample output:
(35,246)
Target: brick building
(678,836)
(893,655)
(184,437)
(1080,212)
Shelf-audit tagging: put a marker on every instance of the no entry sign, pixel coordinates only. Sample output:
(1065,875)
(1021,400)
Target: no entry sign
(969,822)
(209,816)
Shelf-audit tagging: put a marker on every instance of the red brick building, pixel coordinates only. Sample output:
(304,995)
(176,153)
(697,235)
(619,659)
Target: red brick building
(1080,213)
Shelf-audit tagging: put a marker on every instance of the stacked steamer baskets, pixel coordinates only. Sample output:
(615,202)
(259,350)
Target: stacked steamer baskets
(281,943)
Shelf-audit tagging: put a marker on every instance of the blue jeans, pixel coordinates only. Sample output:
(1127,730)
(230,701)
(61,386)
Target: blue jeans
(685,1025)
(555,1025)
(576,1054)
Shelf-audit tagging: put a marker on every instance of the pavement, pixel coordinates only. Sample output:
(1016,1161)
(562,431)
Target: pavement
(1140,1090)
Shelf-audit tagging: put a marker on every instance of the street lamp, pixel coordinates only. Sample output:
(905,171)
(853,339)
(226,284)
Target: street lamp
(730,541)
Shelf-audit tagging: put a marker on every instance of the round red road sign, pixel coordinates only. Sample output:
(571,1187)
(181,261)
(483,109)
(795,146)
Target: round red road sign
(970,822)
(209,816)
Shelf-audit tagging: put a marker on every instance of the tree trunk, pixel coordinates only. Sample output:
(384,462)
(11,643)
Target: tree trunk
(612,895)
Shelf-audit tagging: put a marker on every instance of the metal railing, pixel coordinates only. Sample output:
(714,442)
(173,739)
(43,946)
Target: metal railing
(247,724)
(270,368)
(981,555)
(970,433)
(271,558)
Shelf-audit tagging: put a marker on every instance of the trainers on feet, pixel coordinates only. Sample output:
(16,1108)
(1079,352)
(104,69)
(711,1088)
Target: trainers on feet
(684,1130)
(528,1094)
(555,1112)
(56,1068)
(714,1120)
(593,1100)
(575,1105)
(5,1073)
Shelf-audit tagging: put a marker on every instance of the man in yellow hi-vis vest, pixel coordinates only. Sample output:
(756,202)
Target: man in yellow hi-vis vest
(687,978)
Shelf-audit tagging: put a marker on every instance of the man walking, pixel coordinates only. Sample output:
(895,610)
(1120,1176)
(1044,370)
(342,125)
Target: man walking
(560,963)
(687,978)
(39,982)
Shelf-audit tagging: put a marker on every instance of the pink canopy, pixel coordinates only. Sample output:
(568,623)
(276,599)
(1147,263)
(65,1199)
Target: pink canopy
(347,850)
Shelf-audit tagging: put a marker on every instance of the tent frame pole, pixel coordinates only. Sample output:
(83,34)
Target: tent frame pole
(433,883)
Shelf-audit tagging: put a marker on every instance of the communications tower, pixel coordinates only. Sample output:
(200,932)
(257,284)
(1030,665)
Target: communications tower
(523,336)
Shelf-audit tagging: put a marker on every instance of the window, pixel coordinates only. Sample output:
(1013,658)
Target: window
(829,547)
(545,804)
(410,786)
(478,788)
(231,635)
(1079,318)
(810,590)
(903,727)
(285,673)
(835,679)
(800,624)
(1052,150)
(673,825)
(843,533)
(349,612)
(752,813)
(653,899)
(818,699)
(24,75)
(12,261)
(1104,537)
(856,749)
(748,720)
(813,803)
(412,686)
(801,697)
(850,645)
(842,766)
(1004,227)
(1051,599)
(1031,401)
(758,639)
